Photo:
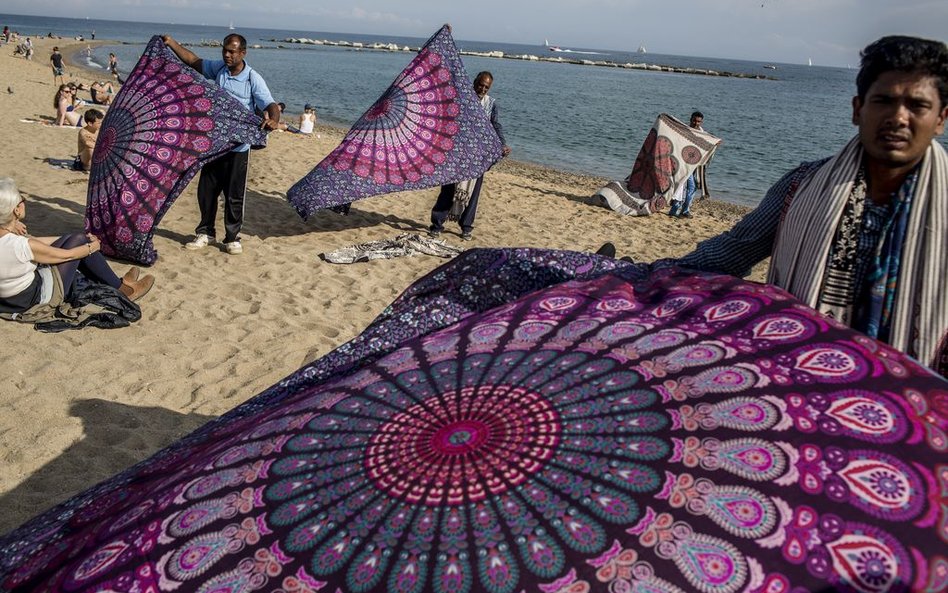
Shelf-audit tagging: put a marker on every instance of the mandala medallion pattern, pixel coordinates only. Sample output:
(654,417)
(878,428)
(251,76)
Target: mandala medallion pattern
(664,433)
(408,131)
(427,129)
(669,155)
(165,123)
(654,167)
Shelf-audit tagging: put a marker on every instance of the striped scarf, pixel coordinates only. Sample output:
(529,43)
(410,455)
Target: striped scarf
(810,235)
(465,189)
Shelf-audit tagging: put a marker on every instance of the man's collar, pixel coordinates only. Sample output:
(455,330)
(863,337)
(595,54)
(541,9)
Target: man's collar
(245,71)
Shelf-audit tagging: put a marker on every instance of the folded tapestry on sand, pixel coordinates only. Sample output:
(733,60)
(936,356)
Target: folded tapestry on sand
(427,129)
(531,420)
(403,245)
(165,123)
(670,154)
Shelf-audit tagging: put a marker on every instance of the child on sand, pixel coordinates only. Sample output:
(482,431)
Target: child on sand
(87,137)
(308,119)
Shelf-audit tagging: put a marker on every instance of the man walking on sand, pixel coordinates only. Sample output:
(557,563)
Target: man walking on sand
(862,236)
(228,174)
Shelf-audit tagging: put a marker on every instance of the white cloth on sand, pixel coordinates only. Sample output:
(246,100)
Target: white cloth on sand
(406,244)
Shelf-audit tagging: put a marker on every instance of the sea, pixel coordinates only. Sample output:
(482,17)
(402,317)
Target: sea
(578,118)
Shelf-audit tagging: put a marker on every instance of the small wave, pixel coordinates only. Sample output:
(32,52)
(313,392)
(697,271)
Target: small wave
(92,63)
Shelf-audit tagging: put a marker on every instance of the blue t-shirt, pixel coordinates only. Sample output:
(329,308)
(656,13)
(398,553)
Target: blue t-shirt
(248,87)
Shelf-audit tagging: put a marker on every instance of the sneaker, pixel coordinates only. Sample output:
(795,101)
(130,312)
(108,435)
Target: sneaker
(233,248)
(200,242)
(434,233)
(687,215)
(467,236)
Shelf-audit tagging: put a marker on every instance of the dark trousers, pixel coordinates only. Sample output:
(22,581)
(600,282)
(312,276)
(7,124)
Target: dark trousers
(94,267)
(439,214)
(227,174)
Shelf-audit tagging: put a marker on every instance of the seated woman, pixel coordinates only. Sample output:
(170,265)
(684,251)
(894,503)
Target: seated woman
(66,114)
(28,264)
(102,92)
(308,119)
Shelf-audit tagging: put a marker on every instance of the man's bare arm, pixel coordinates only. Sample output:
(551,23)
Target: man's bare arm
(187,56)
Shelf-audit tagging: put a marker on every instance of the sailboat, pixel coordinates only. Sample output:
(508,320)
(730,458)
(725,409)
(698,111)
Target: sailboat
(642,49)
(231,26)
(809,61)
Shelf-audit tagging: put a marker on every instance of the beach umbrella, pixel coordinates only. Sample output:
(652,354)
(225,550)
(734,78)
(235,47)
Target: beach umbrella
(670,154)
(531,420)
(427,129)
(165,123)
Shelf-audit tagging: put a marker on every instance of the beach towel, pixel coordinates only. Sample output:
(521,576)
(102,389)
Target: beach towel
(534,420)
(404,245)
(428,129)
(910,301)
(165,123)
(73,164)
(670,154)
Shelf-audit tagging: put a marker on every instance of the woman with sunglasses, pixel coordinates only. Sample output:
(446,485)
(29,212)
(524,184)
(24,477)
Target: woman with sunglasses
(64,102)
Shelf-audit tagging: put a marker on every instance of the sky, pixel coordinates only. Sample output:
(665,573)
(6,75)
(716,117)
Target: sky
(830,32)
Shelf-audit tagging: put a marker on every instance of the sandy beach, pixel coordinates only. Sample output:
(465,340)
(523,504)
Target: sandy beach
(79,406)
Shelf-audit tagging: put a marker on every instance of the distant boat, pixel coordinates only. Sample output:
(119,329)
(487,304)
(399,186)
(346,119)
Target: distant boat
(546,44)
(770,66)
(642,49)
(809,61)
(231,26)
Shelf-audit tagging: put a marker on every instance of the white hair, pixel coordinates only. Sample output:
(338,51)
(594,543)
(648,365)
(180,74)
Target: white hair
(9,199)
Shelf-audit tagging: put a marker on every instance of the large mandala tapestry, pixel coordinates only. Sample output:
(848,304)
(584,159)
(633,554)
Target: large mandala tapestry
(670,154)
(166,122)
(427,129)
(578,425)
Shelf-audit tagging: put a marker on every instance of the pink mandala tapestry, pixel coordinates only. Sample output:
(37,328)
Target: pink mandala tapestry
(166,122)
(427,129)
(540,421)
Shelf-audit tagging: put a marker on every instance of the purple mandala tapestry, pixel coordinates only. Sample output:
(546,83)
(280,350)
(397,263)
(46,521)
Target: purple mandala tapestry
(166,122)
(529,420)
(427,129)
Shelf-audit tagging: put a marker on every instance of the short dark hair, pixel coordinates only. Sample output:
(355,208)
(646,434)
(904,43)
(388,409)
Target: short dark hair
(92,115)
(241,42)
(484,73)
(901,53)
(697,114)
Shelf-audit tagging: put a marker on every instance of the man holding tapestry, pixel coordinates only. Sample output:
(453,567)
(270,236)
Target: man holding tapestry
(863,236)
(228,174)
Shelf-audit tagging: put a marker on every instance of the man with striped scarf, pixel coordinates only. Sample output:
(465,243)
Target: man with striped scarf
(863,236)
